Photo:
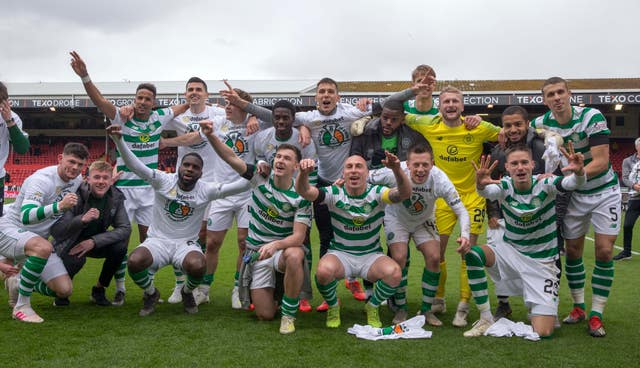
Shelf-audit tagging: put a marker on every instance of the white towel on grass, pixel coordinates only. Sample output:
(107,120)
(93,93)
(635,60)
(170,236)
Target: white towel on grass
(409,329)
(507,328)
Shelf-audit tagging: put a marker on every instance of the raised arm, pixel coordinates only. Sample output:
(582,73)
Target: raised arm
(426,85)
(483,172)
(303,187)
(188,139)
(80,68)
(402,190)
(18,138)
(225,152)
(133,163)
(576,166)
(233,98)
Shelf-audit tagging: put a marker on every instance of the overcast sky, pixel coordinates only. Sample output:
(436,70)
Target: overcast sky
(144,40)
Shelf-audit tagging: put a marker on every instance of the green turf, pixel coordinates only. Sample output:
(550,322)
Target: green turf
(85,335)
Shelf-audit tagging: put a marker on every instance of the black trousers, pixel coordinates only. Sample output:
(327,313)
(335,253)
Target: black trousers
(113,255)
(633,211)
(323,221)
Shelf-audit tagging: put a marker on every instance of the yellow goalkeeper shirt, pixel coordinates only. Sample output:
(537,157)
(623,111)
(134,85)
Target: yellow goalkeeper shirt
(454,148)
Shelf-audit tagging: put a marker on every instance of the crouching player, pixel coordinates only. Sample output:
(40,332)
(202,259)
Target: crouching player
(415,218)
(529,247)
(357,212)
(180,201)
(279,222)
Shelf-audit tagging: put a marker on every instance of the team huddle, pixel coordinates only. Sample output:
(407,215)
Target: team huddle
(406,166)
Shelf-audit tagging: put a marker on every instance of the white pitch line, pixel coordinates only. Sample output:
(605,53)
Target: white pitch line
(615,246)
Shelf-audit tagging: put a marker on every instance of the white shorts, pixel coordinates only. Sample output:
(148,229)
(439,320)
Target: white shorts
(513,286)
(205,215)
(224,210)
(169,251)
(139,204)
(540,280)
(356,266)
(398,232)
(53,268)
(264,272)
(13,240)
(603,210)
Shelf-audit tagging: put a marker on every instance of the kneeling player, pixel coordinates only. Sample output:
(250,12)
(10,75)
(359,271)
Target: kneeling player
(179,204)
(529,248)
(279,222)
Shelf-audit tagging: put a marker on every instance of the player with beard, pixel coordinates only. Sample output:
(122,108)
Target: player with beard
(180,201)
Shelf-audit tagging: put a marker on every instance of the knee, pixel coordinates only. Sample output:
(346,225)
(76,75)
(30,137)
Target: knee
(265,315)
(432,263)
(293,257)
(62,286)
(136,262)
(545,331)
(195,265)
(395,275)
(39,247)
(324,273)
(213,246)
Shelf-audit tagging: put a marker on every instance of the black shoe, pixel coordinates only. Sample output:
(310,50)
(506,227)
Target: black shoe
(622,256)
(189,302)
(61,302)
(118,299)
(503,311)
(149,303)
(98,297)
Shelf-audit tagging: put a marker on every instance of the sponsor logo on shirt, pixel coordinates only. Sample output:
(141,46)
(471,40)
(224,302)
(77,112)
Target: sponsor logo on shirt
(178,210)
(333,135)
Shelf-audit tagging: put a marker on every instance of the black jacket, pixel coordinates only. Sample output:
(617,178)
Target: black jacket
(68,228)
(536,144)
(369,144)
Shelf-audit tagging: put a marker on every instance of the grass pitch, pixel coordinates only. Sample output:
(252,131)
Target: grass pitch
(85,335)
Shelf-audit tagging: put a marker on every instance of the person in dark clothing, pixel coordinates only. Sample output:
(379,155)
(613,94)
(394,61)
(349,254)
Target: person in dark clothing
(630,178)
(388,132)
(85,231)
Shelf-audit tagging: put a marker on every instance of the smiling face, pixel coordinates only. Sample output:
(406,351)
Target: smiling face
(327,98)
(143,103)
(282,122)
(520,165)
(99,182)
(196,94)
(419,165)
(355,174)
(451,106)
(515,127)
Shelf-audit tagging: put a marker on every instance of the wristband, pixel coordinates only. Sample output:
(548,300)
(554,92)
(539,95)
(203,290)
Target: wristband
(86,79)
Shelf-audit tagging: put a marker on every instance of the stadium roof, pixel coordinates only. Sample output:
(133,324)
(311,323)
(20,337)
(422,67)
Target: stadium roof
(303,87)
(301,92)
